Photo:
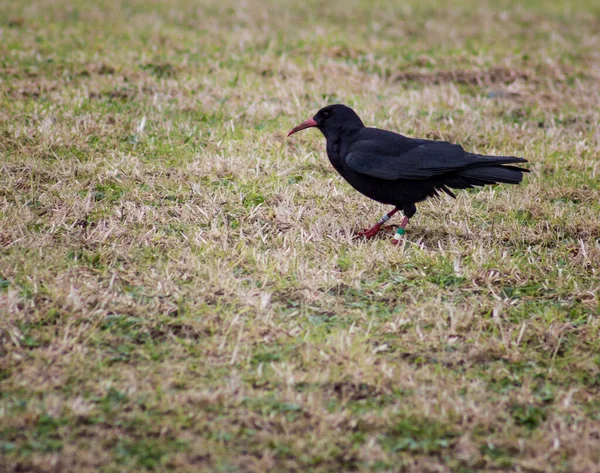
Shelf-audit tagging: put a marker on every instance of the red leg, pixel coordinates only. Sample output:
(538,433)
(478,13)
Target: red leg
(400,231)
(371,232)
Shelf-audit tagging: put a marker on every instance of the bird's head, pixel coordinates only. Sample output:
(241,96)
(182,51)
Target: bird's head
(332,118)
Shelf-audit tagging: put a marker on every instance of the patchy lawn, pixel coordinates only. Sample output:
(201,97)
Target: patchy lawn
(179,286)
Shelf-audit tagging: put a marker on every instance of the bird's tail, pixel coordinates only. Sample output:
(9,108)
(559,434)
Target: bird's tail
(485,170)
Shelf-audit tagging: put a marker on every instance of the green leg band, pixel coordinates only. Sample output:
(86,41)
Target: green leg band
(398,235)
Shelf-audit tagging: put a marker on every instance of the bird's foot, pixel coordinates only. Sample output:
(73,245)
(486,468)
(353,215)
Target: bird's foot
(368,233)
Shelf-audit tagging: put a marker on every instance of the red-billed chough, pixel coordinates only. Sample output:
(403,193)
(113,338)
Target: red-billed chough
(400,171)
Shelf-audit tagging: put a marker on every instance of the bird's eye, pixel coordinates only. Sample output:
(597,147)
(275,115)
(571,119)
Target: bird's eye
(326,113)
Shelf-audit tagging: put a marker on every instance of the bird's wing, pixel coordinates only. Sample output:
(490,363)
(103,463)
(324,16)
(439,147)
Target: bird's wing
(425,159)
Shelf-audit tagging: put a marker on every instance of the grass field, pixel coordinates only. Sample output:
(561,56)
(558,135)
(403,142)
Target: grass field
(179,286)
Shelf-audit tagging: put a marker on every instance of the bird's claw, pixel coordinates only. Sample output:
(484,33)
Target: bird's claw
(372,232)
(367,233)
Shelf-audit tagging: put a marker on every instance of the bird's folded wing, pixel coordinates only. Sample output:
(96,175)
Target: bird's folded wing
(427,159)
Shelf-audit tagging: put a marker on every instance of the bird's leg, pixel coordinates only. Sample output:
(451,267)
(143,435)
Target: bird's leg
(400,231)
(371,232)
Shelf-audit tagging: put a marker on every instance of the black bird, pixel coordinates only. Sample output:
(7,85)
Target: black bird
(400,171)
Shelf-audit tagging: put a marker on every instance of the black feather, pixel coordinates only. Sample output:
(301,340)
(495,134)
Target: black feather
(394,169)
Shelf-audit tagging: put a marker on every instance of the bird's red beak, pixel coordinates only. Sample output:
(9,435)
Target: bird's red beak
(307,124)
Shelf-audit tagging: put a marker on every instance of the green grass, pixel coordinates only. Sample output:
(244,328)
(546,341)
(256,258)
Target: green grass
(179,286)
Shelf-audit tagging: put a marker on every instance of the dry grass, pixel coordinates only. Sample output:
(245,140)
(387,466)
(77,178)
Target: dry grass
(179,286)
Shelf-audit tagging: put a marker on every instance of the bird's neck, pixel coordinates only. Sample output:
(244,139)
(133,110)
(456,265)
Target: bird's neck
(337,142)
(337,134)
